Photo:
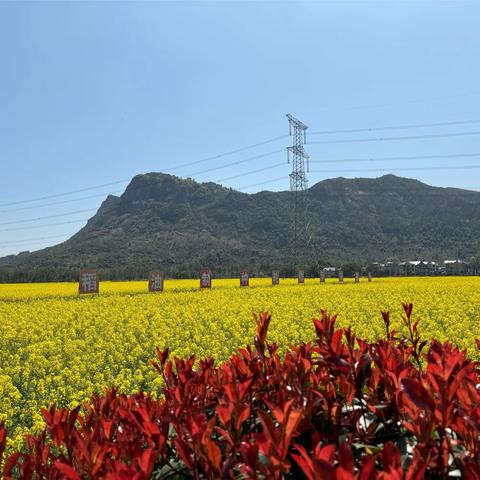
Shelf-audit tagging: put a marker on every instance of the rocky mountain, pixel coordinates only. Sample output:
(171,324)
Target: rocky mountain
(180,226)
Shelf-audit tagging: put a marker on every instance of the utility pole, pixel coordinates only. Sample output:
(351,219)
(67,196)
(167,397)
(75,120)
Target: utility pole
(299,237)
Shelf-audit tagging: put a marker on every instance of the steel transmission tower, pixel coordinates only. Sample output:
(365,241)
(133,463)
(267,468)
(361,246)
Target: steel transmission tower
(299,234)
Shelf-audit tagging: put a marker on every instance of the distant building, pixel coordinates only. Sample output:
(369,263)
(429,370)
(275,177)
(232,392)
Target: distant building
(330,271)
(418,267)
(426,268)
(388,268)
(455,267)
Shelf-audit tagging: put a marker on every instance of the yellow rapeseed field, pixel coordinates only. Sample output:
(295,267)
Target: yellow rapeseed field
(58,347)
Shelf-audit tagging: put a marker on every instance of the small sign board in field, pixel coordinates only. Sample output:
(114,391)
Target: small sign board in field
(275,277)
(322,277)
(244,279)
(357,277)
(301,276)
(88,282)
(340,276)
(206,278)
(155,281)
(369,276)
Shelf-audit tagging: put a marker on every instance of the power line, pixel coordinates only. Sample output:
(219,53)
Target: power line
(262,183)
(48,216)
(457,167)
(256,157)
(231,152)
(395,127)
(71,192)
(422,100)
(410,137)
(249,173)
(28,240)
(263,169)
(28,244)
(460,155)
(384,159)
(60,202)
(43,226)
(344,160)
(220,155)
(94,209)
(245,188)
(464,167)
(230,178)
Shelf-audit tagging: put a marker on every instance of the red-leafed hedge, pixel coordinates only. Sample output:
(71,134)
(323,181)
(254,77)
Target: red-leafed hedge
(336,408)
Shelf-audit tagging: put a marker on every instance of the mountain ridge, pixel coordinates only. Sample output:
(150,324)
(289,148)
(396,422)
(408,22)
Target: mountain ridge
(180,225)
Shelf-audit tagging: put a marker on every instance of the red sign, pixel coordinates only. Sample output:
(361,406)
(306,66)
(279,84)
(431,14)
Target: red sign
(205,279)
(155,281)
(244,279)
(301,276)
(88,282)
(275,277)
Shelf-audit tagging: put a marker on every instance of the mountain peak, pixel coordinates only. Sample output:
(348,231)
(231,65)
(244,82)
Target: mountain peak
(180,225)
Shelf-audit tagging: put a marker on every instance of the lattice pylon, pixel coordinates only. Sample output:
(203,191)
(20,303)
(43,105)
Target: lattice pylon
(299,228)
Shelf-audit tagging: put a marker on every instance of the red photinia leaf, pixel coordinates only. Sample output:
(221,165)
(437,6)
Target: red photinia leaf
(472,470)
(225,436)
(326,453)
(408,307)
(10,465)
(259,345)
(317,469)
(249,453)
(318,327)
(244,388)
(466,391)
(214,453)
(242,416)
(416,470)
(305,462)
(292,422)
(146,461)
(345,459)
(417,394)
(3,440)
(336,339)
(67,470)
(183,452)
(163,355)
(391,458)
(386,318)
(107,427)
(269,428)
(224,413)
(367,468)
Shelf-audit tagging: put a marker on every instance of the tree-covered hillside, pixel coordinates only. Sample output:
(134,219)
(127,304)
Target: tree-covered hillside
(180,226)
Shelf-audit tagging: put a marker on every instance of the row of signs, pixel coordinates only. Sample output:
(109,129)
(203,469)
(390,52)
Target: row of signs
(340,277)
(89,280)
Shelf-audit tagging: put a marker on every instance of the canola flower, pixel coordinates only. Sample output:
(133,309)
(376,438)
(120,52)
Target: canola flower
(60,348)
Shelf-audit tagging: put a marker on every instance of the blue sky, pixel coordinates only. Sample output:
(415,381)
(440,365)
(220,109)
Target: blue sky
(94,93)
